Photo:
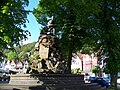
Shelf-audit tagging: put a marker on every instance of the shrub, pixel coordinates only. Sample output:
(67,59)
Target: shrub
(76,71)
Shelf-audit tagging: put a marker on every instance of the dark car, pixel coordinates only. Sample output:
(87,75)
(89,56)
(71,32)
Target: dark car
(91,79)
(100,81)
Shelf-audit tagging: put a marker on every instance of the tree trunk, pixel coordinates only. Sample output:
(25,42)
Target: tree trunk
(69,61)
(114,80)
(82,64)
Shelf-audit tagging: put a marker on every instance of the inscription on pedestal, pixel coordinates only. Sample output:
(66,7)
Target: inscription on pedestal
(43,52)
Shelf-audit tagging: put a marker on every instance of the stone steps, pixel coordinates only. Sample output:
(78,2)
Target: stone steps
(49,82)
(68,87)
(62,81)
(52,87)
(25,82)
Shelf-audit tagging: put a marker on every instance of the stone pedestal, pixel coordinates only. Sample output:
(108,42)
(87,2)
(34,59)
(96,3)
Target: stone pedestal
(49,82)
(23,79)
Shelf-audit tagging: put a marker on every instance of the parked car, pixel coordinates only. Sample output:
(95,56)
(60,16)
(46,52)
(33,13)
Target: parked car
(91,79)
(107,79)
(99,81)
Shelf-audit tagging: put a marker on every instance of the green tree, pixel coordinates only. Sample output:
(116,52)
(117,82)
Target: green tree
(96,70)
(76,71)
(12,55)
(72,32)
(20,52)
(13,17)
(107,32)
(25,51)
(97,20)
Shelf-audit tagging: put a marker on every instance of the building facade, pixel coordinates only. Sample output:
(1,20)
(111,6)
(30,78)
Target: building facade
(84,61)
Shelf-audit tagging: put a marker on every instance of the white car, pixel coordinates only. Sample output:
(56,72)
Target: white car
(118,81)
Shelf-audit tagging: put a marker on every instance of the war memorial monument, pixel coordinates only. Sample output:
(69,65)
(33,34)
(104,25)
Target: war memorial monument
(50,69)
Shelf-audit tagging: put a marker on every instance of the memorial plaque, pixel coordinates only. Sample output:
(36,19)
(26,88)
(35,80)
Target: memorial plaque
(43,52)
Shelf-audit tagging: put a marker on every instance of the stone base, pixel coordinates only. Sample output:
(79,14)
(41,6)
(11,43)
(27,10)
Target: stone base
(24,79)
(49,82)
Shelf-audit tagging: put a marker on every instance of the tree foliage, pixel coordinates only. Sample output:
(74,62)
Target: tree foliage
(12,55)
(13,17)
(95,23)
(20,53)
(95,69)
(72,31)
(107,28)
(76,71)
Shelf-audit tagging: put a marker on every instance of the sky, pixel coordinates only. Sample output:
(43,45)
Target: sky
(33,27)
